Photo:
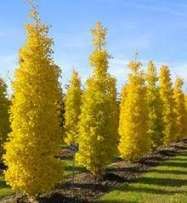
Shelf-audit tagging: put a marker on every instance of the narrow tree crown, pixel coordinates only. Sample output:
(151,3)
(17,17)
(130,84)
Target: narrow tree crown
(151,75)
(99,36)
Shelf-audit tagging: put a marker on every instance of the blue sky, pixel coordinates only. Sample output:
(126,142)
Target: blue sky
(156,28)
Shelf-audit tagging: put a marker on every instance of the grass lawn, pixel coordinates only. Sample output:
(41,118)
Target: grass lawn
(68,168)
(4,189)
(166,183)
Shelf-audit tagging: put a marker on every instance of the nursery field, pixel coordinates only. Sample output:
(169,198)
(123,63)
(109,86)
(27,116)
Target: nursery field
(160,177)
(79,136)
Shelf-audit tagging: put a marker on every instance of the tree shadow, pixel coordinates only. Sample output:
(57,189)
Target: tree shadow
(180,147)
(115,201)
(167,152)
(161,181)
(180,159)
(3,184)
(134,169)
(172,172)
(149,190)
(174,164)
(76,168)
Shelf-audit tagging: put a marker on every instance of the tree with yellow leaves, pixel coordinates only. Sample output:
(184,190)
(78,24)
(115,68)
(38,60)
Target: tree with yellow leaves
(99,114)
(134,139)
(72,109)
(185,98)
(179,108)
(168,115)
(4,116)
(61,112)
(33,142)
(155,124)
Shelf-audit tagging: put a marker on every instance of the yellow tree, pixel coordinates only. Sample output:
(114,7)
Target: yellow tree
(4,115)
(155,124)
(168,116)
(179,108)
(72,109)
(32,144)
(134,140)
(61,112)
(99,114)
(185,97)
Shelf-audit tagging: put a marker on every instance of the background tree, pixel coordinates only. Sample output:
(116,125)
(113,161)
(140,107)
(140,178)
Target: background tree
(4,116)
(99,114)
(180,110)
(168,116)
(32,144)
(155,124)
(61,112)
(185,97)
(72,109)
(134,140)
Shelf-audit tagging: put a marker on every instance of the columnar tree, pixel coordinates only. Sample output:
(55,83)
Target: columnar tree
(185,97)
(155,124)
(168,115)
(72,109)
(4,116)
(179,108)
(32,144)
(99,116)
(61,112)
(134,139)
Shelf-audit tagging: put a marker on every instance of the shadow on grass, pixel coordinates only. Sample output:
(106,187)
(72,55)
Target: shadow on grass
(134,169)
(161,181)
(180,159)
(167,152)
(174,164)
(77,168)
(116,201)
(3,184)
(149,190)
(171,172)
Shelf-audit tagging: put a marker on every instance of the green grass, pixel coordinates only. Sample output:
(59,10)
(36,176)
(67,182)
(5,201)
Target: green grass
(166,183)
(4,189)
(68,168)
